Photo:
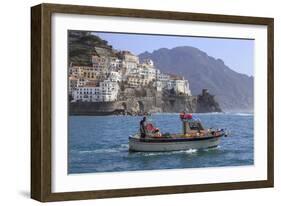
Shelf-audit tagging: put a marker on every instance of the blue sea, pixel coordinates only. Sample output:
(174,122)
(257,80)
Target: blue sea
(100,143)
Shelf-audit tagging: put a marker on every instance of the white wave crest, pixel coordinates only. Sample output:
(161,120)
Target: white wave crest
(189,151)
(212,148)
(123,147)
(244,114)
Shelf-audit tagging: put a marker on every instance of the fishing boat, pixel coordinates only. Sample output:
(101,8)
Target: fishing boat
(194,136)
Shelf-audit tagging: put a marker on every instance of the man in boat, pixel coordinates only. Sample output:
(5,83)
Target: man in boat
(142,127)
(182,115)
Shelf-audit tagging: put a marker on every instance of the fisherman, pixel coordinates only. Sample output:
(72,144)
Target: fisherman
(182,115)
(142,127)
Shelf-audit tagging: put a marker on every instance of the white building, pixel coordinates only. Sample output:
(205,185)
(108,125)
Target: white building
(137,81)
(148,63)
(158,85)
(148,73)
(115,64)
(106,91)
(86,94)
(114,76)
(72,85)
(109,91)
(81,82)
(162,76)
(78,71)
(130,62)
(180,86)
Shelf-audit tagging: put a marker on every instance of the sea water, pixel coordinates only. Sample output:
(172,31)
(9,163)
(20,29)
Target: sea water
(100,143)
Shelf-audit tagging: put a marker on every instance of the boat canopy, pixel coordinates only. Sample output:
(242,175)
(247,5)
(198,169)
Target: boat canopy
(190,124)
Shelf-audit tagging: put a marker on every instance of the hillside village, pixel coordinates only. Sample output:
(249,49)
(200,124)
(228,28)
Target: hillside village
(114,71)
(104,81)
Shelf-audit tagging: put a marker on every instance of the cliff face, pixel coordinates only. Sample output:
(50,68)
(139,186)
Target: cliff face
(143,101)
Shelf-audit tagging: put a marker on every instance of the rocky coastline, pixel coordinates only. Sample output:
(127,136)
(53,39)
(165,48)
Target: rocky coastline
(145,101)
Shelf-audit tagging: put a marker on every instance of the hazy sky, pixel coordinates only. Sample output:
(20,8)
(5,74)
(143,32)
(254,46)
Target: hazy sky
(236,53)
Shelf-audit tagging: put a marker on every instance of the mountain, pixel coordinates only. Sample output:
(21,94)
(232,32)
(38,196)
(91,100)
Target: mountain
(233,91)
(81,46)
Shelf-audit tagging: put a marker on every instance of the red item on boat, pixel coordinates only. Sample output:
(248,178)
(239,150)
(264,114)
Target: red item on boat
(185,116)
(150,127)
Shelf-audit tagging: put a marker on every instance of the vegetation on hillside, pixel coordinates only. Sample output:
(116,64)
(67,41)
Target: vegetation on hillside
(81,47)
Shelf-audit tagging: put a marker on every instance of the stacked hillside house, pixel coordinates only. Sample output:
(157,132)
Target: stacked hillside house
(101,81)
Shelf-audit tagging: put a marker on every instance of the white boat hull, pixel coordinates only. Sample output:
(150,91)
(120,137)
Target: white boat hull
(136,144)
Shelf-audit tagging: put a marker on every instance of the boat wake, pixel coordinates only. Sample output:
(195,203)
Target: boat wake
(125,147)
(121,148)
(189,151)
(212,148)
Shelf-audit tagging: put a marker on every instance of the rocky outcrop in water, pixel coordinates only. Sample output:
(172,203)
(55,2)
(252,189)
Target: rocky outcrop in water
(207,103)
